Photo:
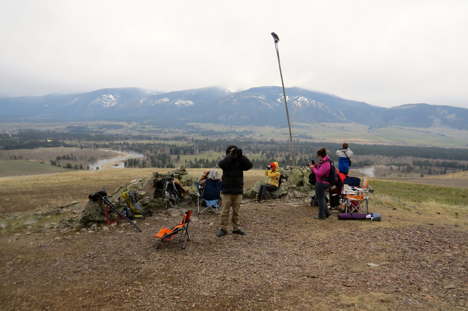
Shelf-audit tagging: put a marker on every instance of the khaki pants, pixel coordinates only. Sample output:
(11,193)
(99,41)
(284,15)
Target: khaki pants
(228,200)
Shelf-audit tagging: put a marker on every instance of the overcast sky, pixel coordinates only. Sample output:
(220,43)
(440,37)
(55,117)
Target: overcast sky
(385,53)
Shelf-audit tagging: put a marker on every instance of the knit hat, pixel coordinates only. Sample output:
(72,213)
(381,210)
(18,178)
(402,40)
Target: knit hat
(229,148)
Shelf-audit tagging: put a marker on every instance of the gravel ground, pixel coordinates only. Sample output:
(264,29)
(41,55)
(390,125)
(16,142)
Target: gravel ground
(287,261)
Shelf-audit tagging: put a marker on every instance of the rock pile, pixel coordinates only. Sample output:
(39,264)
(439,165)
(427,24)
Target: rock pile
(296,184)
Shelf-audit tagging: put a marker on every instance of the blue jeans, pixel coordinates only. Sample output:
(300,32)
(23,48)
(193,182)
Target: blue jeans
(320,191)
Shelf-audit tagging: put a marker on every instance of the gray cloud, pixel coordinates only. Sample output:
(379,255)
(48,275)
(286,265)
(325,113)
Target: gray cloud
(385,53)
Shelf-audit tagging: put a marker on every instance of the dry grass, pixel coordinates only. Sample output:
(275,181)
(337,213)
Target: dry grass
(42,192)
(458,175)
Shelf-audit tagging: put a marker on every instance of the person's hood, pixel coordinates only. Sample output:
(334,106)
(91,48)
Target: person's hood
(213,174)
(326,158)
(229,148)
(275,166)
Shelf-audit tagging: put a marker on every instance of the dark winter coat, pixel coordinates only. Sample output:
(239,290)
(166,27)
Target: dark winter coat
(233,173)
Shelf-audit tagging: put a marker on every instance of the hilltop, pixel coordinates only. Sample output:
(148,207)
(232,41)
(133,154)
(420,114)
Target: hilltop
(286,260)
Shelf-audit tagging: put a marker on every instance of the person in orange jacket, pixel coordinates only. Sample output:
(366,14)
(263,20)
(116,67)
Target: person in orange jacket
(273,183)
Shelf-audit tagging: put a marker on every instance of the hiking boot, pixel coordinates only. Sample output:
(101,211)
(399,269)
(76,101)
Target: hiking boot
(327,214)
(221,233)
(239,232)
(318,217)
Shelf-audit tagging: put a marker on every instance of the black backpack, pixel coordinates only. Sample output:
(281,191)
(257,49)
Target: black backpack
(166,188)
(169,190)
(333,177)
(312,179)
(280,180)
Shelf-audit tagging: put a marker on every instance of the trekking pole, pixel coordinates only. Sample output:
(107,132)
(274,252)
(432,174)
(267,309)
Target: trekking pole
(276,38)
(122,214)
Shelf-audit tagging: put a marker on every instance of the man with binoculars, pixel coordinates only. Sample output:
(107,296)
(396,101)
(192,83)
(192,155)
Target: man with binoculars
(233,166)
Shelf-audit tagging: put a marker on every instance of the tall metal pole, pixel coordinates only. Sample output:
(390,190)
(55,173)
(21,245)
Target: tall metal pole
(276,38)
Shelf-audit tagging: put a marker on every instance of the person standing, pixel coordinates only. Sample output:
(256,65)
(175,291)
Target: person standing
(322,172)
(344,161)
(273,183)
(233,166)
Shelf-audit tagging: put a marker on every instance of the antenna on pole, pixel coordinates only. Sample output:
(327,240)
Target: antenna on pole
(276,38)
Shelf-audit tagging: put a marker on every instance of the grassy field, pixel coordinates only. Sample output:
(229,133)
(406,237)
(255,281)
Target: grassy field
(19,168)
(354,133)
(37,161)
(40,192)
(330,132)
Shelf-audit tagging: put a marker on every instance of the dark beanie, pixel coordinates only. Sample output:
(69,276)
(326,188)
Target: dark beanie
(228,149)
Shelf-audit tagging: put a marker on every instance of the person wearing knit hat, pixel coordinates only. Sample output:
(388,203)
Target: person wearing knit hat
(233,165)
(273,183)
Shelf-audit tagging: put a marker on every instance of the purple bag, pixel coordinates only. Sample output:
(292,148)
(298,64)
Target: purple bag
(350,216)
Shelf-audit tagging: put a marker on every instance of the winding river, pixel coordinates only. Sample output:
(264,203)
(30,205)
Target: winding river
(369,171)
(119,161)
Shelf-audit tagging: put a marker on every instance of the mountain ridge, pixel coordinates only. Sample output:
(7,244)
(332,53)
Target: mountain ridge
(255,106)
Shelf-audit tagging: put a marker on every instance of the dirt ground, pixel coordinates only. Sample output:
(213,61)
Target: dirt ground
(287,261)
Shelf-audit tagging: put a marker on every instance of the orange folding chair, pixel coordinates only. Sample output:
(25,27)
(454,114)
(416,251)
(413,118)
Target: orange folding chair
(179,234)
(355,199)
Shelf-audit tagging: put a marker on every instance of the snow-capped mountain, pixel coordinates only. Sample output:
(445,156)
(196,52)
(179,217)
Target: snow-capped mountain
(255,106)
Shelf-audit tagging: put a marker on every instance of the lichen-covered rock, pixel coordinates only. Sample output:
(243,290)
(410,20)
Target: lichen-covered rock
(296,180)
(298,177)
(95,212)
(252,192)
(148,187)
(67,224)
(145,200)
(280,192)
(136,184)
(188,180)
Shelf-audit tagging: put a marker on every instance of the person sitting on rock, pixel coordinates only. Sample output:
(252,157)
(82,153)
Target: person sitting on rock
(273,183)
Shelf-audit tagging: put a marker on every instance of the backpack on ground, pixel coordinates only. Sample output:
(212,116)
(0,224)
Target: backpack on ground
(169,190)
(134,209)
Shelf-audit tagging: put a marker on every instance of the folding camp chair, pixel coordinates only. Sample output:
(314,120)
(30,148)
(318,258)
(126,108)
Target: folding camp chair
(170,235)
(336,192)
(356,199)
(211,196)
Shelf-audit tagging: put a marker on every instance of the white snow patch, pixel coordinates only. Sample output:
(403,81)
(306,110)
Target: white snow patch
(252,96)
(184,103)
(106,100)
(162,100)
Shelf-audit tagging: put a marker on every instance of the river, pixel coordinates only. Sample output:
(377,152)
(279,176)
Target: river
(369,171)
(118,160)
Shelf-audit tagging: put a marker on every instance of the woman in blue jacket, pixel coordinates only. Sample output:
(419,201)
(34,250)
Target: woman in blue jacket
(345,158)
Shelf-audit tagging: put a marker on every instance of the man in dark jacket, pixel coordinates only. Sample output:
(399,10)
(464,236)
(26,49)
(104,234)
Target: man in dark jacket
(233,166)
